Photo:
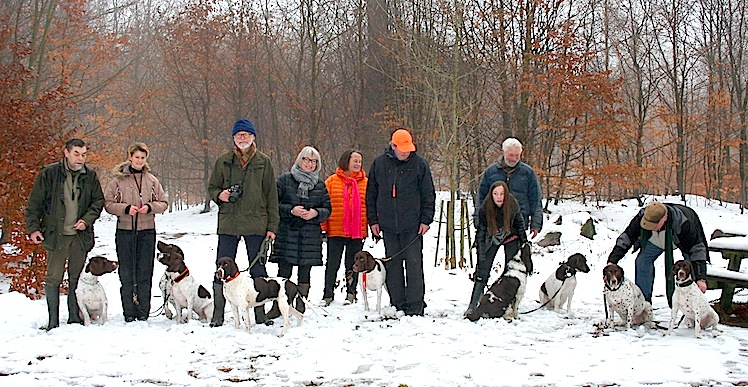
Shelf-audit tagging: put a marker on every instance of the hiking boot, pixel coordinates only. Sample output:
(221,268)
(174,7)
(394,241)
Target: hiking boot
(349,299)
(327,301)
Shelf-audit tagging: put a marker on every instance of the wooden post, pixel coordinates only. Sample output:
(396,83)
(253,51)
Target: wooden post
(438,234)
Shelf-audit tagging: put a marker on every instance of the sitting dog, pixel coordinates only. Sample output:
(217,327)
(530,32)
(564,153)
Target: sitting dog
(625,298)
(166,283)
(689,299)
(503,297)
(371,276)
(560,286)
(186,292)
(92,301)
(244,293)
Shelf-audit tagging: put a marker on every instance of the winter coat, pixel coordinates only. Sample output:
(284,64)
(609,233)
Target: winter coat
(336,188)
(299,241)
(485,240)
(45,210)
(124,191)
(256,212)
(400,194)
(688,234)
(523,184)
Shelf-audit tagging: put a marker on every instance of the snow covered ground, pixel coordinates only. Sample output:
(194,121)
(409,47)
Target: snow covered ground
(345,346)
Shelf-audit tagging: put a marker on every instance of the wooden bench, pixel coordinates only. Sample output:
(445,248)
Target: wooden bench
(734,249)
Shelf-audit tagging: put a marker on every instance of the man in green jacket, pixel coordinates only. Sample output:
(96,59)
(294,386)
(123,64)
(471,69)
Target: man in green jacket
(243,185)
(64,202)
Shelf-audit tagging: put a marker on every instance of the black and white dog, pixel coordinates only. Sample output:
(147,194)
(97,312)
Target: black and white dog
(184,292)
(559,287)
(91,297)
(371,276)
(244,293)
(503,297)
(624,298)
(689,299)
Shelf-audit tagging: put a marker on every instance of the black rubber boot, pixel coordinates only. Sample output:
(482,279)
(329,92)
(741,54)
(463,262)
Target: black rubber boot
(478,288)
(74,316)
(303,292)
(53,306)
(260,317)
(219,303)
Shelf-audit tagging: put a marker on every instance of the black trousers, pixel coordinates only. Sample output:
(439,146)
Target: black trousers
(136,251)
(485,261)
(229,244)
(335,247)
(405,282)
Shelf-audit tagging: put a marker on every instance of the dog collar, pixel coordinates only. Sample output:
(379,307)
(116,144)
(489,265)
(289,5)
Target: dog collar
(614,289)
(233,277)
(684,284)
(182,275)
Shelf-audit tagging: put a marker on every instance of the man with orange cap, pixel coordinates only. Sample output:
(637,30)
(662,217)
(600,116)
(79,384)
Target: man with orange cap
(400,206)
(658,228)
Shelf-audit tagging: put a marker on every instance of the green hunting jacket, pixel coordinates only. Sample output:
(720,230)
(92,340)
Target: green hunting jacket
(256,212)
(45,210)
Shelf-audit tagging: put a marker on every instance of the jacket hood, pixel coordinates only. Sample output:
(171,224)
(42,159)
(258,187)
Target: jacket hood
(122,169)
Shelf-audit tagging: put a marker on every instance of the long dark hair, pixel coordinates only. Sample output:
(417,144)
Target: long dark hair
(491,209)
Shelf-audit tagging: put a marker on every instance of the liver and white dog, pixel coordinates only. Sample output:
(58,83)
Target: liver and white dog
(92,301)
(181,289)
(503,297)
(624,298)
(689,299)
(244,293)
(371,276)
(560,285)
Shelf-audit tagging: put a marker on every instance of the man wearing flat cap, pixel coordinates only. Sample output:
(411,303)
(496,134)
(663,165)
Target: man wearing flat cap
(658,228)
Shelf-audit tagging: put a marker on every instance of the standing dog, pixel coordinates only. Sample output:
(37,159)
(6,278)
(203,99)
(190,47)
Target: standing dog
(244,293)
(92,301)
(560,285)
(186,292)
(371,276)
(689,299)
(625,298)
(502,299)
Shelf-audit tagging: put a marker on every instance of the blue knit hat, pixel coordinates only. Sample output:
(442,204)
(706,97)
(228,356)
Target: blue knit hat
(243,125)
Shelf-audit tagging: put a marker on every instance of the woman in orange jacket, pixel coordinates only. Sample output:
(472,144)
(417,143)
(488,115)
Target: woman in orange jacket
(347,226)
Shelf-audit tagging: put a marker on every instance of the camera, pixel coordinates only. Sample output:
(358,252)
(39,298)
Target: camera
(235,193)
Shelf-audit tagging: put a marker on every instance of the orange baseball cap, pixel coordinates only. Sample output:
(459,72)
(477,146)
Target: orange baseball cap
(403,140)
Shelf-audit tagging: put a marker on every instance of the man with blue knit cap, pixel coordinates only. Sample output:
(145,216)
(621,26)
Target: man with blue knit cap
(243,186)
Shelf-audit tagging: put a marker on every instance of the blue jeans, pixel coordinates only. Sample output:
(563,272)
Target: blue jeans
(645,269)
(228,245)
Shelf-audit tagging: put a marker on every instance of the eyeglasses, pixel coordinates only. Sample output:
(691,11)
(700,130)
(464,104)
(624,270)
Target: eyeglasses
(243,135)
(308,160)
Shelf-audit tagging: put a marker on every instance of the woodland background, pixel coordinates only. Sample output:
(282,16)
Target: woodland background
(611,99)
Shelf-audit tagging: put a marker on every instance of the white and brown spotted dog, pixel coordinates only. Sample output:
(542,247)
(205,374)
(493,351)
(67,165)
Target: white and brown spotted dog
(91,297)
(503,297)
(624,298)
(560,285)
(244,293)
(371,276)
(689,299)
(181,289)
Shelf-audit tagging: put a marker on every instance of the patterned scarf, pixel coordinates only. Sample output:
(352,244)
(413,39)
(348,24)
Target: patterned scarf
(306,180)
(352,205)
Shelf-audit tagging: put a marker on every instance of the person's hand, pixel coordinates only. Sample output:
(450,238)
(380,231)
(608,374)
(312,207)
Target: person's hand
(270,235)
(309,214)
(533,233)
(375,232)
(132,211)
(702,285)
(297,211)
(36,237)
(224,195)
(422,229)
(143,210)
(80,225)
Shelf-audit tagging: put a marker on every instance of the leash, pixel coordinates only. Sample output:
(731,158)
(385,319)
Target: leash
(547,302)
(263,253)
(386,259)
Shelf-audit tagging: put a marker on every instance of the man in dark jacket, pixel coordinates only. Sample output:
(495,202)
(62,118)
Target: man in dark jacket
(400,201)
(243,186)
(64,202)
(658,228)
(522,181)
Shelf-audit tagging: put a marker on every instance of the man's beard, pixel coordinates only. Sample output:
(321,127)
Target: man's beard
(511,165)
